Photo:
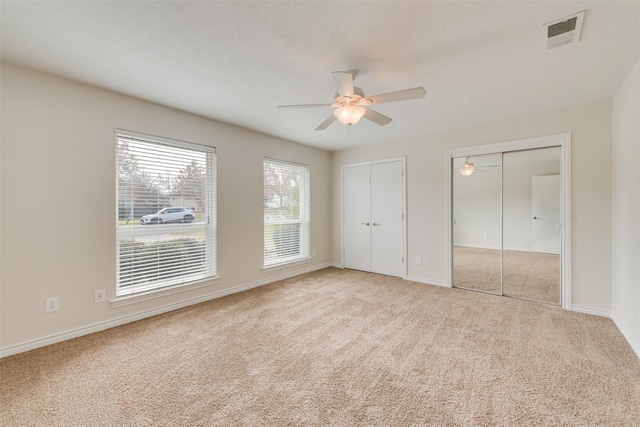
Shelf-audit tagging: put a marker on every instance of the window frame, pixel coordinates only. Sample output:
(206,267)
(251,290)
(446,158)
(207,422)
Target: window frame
(208,226)
(304,218)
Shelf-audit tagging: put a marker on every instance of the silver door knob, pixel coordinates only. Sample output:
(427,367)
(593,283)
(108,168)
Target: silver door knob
(365,223)
(375,224)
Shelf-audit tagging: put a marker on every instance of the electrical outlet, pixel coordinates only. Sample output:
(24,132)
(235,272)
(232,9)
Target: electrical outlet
(419,260)
(99,295)
(51,305)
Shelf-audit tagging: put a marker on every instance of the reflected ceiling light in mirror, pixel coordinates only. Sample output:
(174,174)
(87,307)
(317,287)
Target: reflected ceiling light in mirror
(466,169)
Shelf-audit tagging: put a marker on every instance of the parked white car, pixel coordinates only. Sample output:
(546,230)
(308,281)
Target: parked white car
(168,215)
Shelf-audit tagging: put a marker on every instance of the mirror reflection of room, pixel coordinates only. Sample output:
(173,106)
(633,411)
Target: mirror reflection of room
(506,224)
(531,224)
(476,193)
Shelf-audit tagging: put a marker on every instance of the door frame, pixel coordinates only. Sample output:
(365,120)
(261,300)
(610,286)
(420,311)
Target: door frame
(402,159)
(563,141)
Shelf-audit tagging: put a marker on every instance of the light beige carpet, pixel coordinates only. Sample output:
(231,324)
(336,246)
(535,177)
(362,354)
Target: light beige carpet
(476,268)
(335,348)
(529,275)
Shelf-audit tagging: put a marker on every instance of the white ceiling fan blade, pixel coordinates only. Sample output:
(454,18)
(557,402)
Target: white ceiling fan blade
(326,123)
(376,117)
(305,106)
(344,82)
(401,95)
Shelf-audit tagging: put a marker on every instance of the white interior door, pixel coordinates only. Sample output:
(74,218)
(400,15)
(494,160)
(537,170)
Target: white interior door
(387,219)
(356,195)
(373,218)
(545,213)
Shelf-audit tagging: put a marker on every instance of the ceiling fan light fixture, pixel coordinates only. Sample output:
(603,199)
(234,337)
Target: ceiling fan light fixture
(350,105)
(349,114)
(467,168)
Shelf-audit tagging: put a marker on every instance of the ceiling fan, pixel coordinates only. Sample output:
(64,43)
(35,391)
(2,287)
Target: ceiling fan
(350,104)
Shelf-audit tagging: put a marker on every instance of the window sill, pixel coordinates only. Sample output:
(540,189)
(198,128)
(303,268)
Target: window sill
(163,292)
(286,264)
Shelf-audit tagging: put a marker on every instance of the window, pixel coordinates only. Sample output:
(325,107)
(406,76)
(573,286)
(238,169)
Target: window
(166,213)
(286,212)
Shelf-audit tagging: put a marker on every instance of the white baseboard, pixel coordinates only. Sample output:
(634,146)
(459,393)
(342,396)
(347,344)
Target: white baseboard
(635,345)
(428,281)
(100,326)
(589,310)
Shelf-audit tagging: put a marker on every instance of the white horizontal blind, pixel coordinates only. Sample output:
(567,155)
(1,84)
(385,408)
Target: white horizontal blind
(172,246)
(286,212)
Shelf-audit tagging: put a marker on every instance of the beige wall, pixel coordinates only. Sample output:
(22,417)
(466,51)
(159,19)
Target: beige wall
(626,208)
(58,199)
(58,202)
(591,129)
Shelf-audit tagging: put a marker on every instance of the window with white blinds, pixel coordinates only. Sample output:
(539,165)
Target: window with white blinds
(166,212)
(286,212)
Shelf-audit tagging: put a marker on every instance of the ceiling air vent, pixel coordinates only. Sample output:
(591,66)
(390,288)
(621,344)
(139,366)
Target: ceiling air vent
(563,31)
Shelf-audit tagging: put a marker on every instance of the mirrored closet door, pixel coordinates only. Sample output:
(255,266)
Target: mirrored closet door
(506,223)
(531,224)
(477,223)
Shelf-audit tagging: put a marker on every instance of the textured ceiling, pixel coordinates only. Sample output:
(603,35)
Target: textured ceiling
(237,61)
